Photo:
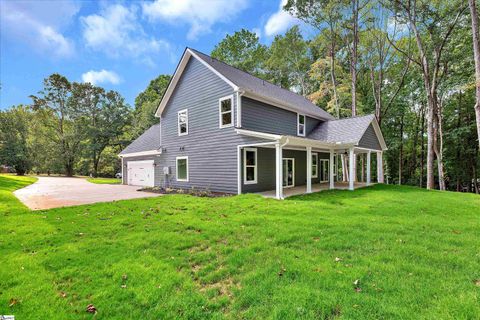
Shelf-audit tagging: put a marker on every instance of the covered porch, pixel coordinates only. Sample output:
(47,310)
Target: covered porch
(294,165)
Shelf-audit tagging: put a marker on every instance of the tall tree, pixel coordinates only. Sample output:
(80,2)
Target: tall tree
(146,103)
(53,108)
(243,51)
(432,25)
(476,55)
(14,132)
(318,14)
(289,61)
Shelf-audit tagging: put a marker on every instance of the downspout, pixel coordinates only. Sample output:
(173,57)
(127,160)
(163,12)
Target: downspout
(239,94)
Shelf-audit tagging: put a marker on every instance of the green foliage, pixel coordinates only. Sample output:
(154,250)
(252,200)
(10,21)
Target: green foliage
(243,51)
(104,180)
(146,103)
(15,149)
(385,252)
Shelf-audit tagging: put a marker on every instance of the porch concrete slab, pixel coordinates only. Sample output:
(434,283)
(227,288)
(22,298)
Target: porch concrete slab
(54,192)
(288,192)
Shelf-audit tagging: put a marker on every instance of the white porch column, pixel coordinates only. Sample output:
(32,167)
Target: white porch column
(331,169)
(380,167)
(239,170)
(369,179)
(279,171)
(123,175)
(351,169)
(309,169)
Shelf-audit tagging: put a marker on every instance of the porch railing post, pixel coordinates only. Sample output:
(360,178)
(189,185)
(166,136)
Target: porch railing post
(309,169)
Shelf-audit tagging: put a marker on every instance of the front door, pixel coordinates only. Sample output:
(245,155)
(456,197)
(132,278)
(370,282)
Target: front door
(288,172)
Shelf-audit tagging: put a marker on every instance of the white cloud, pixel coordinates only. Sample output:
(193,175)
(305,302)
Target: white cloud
(280,21)
(102,76)
(200,15)
(116,32)
(38,24)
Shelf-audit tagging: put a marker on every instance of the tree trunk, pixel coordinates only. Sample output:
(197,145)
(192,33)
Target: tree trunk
(400,158)
(438,146)
(476,53)
(354,54)
(422,151)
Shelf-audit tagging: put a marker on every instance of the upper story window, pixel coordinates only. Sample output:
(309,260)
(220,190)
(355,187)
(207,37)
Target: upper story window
(225,106)
(183,122)
(301,125)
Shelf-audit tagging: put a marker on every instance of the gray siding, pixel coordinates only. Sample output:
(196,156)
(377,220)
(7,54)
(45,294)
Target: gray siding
(369,139)
(157,160)
(259,116)
(211,151)
(266,169)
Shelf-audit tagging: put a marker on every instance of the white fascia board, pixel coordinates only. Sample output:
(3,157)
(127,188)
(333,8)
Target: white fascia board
(178,73)
(280,104)
(258,134)
(141,153)
(379,133)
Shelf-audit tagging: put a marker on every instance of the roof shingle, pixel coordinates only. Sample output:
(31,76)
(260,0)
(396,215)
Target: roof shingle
(149,140)
(348,130)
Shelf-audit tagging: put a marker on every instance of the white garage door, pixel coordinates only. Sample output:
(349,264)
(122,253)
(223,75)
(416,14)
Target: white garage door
(141,173)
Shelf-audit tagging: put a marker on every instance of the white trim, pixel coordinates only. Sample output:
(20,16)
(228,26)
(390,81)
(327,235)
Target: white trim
(123,176)
(178,122)
(299,124)
(255,166)
(141,153)
(178,73)
(258,134)
(351,168)
(379,133)
(331,170)
(239,170)
(176,168)
(316,157)
(278,171)
(369,168)
(293,172)
(309,169)
(239,108)
(220,113)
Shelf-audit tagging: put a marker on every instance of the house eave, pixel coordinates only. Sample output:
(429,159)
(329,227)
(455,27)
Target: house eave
(141,153)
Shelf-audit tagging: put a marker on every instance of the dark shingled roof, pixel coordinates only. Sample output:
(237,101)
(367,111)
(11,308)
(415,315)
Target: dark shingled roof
(264,88)
(349,130)
(149,140)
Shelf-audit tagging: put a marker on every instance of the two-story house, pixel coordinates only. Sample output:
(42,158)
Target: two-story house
(225,130)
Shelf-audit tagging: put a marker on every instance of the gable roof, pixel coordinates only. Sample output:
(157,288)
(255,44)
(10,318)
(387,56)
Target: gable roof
(242,81)
(348,130)
(148,141)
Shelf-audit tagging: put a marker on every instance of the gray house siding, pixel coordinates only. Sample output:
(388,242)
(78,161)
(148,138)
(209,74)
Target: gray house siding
(266,169)
(211,150)
(259,116)
(157,160)
(369,139)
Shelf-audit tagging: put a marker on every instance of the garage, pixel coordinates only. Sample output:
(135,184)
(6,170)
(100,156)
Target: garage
(141,173)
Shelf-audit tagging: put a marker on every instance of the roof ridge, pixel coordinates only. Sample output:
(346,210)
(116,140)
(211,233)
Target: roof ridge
(267,81)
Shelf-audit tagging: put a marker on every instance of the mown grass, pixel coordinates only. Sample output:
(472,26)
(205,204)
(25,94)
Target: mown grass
(415,254)
(104,180)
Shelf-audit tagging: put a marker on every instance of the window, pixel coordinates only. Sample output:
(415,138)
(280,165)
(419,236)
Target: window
(183,122)
(324,177)
(182,169)
(314,165)
(225,106)
(249,166)
(301,125)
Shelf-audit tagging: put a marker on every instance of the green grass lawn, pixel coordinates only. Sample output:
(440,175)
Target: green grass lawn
(104,180)
(383,252)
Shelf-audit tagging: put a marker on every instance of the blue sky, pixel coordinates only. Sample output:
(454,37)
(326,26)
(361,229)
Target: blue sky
(119,45)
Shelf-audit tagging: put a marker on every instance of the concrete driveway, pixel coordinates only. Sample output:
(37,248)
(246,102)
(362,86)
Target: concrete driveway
(54,192)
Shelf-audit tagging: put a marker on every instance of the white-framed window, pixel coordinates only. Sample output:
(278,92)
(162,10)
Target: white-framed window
(249,165)
(314,165)
(324,167)
(181,170)
(183,122)
(225,111)
(301,124)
